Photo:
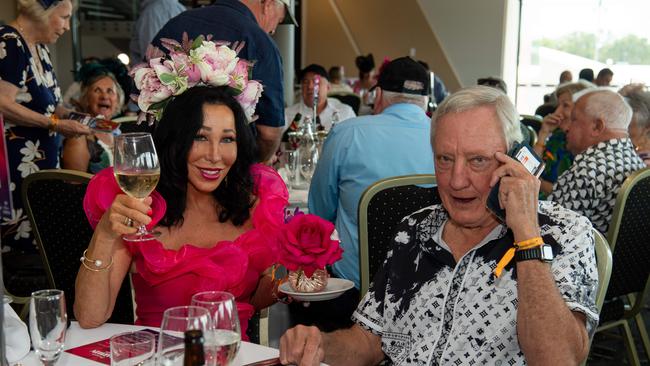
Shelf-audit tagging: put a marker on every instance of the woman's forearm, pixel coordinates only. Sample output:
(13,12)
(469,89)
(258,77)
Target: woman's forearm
(20,115)
(96,290)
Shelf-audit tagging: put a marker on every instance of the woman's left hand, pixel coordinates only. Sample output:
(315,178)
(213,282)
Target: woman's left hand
(518,194)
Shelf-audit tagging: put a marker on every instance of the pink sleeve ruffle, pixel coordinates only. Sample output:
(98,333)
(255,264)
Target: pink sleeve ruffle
(101,192)
(272,195)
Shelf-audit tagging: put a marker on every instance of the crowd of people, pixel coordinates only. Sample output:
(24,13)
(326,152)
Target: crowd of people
(448,292)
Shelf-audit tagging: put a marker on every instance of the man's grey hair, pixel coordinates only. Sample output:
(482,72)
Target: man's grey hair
(640,104)
(390,98)
(479,96)
(607,105)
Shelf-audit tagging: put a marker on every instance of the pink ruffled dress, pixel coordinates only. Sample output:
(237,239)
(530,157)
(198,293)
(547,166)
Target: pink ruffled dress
(167,278)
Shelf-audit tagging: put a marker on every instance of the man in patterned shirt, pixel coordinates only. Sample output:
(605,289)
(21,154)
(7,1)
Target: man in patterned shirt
(437,299)
(604,156)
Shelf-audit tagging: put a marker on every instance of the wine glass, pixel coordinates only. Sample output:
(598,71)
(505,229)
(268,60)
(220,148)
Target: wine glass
(133,348)
(137,172)
(176,321)
(292,169)
(308,160)
(223,339)
(48,322)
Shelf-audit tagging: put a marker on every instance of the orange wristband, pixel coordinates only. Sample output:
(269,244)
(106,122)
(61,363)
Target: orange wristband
(510,253)
(54,121)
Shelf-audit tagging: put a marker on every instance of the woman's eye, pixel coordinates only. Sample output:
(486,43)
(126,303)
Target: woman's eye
(228,139)
(200,138)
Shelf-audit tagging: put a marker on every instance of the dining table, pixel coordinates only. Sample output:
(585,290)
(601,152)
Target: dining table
(76,336)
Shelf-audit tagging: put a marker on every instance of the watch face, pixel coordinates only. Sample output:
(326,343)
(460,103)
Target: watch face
(547,252)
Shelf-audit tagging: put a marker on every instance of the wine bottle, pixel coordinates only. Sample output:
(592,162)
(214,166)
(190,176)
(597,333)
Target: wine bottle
(194,355)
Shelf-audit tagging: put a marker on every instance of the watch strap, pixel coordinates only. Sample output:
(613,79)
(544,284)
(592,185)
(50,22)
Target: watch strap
(528,254)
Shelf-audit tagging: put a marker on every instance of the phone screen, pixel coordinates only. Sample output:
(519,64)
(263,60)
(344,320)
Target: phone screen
(525,155)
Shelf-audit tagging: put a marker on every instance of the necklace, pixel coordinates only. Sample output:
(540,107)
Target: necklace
(36,56)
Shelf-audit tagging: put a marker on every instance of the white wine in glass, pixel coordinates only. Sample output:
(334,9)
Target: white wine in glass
(137,172)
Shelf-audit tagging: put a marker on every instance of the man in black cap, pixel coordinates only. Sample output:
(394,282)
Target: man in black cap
(361,151)
(329,110)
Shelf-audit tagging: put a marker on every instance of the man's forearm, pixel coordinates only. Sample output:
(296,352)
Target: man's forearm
(549,333)
(352,347)
(268,141)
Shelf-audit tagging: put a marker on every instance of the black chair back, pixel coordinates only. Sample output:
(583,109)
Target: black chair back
(629,236)
(533,121)
(53,200)
(350,99)
(381,208)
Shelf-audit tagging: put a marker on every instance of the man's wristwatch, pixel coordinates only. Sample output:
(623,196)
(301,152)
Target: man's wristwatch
(543,253)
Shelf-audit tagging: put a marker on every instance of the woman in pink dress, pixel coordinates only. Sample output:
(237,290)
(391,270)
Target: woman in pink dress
(219,214)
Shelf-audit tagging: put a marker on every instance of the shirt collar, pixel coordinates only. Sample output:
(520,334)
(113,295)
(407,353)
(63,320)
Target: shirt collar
(437,221)
(611,144)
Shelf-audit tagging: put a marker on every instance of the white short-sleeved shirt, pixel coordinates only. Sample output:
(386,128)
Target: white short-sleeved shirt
(430,310)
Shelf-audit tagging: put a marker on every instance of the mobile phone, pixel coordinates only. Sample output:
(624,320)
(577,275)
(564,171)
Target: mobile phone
(525,155)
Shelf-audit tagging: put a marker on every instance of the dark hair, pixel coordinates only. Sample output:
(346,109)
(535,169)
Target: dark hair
(365,64)
(605,72)
(334,73)
(495,82)
(586,74)
(314,69)
(174,136)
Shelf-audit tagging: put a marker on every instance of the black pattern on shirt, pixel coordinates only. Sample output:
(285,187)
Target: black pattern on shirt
(428,309)
(590,186)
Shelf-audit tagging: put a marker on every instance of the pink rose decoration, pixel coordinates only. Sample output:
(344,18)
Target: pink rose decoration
(215,63)
(248,98)
(186,68)
(239,76)
(308,244)
(151,89)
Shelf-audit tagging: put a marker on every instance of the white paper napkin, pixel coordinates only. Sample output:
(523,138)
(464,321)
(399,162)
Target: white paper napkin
(16,335)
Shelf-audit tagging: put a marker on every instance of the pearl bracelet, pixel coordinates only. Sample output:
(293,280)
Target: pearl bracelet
(87,262)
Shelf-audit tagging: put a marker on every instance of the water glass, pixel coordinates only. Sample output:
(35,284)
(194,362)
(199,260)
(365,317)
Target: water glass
(48,322)
(133,349)
(293,173)
(176,321)
(223,339)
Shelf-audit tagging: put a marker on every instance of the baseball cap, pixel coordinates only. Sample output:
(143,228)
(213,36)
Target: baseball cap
(288,18)
(404,75)
(313,68)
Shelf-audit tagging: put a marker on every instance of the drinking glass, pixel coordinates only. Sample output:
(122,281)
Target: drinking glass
(133,349)
(137,172)
(308,161)
(176,321)
(223,339)
(292,169)
(47,324)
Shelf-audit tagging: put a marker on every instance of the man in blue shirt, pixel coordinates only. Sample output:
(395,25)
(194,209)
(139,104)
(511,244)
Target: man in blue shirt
(153,15)
(363,150)
(250,21)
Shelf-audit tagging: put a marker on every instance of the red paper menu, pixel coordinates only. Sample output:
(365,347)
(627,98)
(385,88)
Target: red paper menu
(100,351)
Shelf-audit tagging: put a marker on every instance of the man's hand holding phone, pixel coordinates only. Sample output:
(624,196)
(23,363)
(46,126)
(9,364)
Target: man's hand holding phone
(515,188)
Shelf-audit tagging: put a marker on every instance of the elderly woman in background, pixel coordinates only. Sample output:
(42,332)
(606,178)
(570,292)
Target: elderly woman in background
(30,103)
(640,125)
(101,96)
(551,140)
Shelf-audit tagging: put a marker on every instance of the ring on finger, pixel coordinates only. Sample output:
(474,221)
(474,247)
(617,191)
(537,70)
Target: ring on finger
(128,221)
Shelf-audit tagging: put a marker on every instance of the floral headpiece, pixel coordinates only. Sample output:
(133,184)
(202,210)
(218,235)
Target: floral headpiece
(191,63)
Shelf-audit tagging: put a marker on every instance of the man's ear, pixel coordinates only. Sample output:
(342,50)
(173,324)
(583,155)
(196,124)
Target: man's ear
(598,126)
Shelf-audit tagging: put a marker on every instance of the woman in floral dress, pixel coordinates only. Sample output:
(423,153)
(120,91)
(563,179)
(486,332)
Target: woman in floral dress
(29,103)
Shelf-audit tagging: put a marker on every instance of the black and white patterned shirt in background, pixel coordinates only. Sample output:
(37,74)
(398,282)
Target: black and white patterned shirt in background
(590,186)
(430,310)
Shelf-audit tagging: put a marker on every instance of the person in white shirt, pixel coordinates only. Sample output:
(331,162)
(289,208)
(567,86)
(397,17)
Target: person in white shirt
(330,111)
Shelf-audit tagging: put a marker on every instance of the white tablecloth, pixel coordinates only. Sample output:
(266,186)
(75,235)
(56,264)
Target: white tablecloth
(76,336)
